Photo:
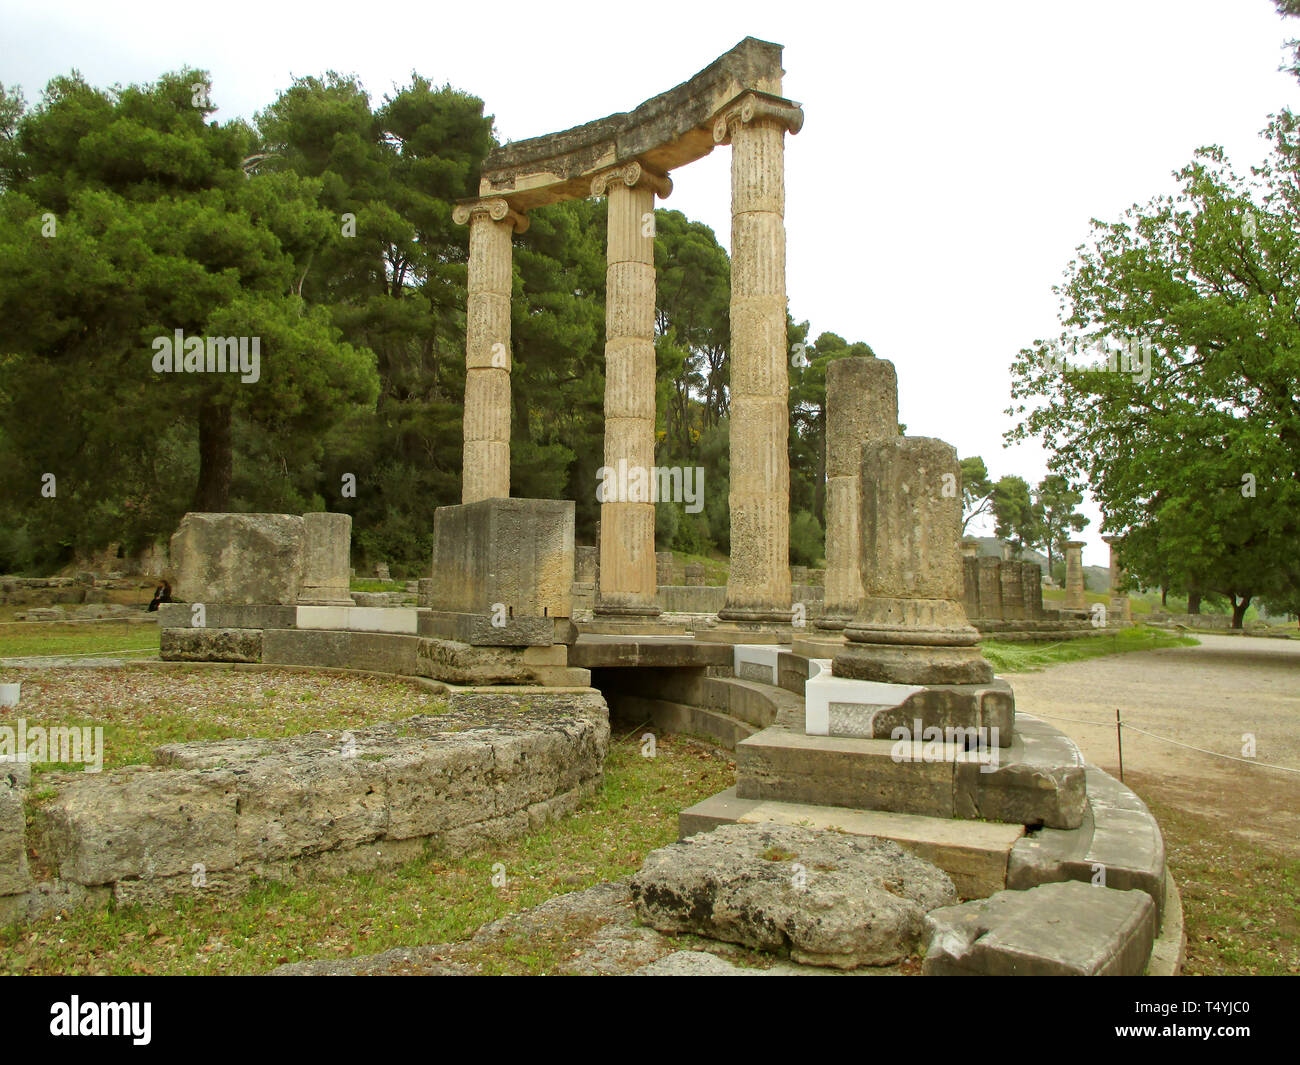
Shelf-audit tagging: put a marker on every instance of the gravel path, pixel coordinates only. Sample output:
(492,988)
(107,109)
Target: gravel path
(1209,697)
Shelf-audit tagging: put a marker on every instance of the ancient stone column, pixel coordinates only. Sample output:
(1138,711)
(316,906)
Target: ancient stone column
(1031,582)
(990,587)
(970,574)
(758,588)
(1013,593)
(486,469)
(1120,608)
(910,627)
(861,406)
(627,510)
(326,560)
(1075,598)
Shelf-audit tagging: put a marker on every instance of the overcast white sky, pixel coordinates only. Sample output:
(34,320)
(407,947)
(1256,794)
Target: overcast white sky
(951,158)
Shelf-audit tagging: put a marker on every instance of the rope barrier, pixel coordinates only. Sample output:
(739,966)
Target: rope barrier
(1166,739)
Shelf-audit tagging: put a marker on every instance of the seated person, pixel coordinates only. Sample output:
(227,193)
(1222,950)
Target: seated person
(162,594)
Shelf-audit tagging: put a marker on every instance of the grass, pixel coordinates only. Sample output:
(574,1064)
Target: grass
(370,584)
(142,708)
(20,639)
(1030,657)
(1241,902)
(432,899)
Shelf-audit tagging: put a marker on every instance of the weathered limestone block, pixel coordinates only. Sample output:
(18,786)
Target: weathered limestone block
(862,405)
(910,627)
(326,559)
(695,574)
(210,645)
(14,875)
(238,558)
(490,767)
(1068,929)
(462,663)
(516,552)
(828,898)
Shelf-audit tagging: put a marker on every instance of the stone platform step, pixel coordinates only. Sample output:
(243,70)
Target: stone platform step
(1038,781)
(1064,929)
(1119,844)
(974,854)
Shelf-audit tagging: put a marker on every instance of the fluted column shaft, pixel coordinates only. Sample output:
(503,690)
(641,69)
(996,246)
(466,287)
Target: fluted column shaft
(627,515)
(486,427)
(758,587)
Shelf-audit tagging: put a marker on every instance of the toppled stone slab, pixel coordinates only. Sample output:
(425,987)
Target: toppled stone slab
(826,898)
(210,645)
(1067,929)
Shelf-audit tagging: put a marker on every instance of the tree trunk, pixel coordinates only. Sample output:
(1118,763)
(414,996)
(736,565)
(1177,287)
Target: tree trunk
(1239,609)
(216,460)
(1164,596)
(1193,602)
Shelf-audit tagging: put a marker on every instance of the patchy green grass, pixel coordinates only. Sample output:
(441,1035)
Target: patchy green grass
(21,639)
(372,584)
(431,899)
(1030,657)
(141,708)
(1241,901)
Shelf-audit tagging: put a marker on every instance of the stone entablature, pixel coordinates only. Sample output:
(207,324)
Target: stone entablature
(667,131)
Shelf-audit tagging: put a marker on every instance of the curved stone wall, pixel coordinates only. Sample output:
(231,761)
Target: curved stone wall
(212,816)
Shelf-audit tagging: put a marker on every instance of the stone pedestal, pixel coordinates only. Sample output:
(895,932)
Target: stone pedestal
(502,573)
(326,556)
(694,574)
(238,559)
(910,627)
(1075,597)
(486,468)
(861,406)
(627,543)
(758,588)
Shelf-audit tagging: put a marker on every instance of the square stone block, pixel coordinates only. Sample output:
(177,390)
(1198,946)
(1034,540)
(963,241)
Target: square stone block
(238,559)
(517,553)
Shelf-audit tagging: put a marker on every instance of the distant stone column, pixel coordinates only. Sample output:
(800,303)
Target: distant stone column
(1120,608)
(758,587)
(326,560)
(627,516)
(970,578)
(1013,593)
(990,587)
(1075,597)
(486,468)
(910,627)
(1031,584)
(861,406)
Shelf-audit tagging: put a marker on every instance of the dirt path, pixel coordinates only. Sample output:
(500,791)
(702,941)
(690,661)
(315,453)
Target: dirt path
(1210,697)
